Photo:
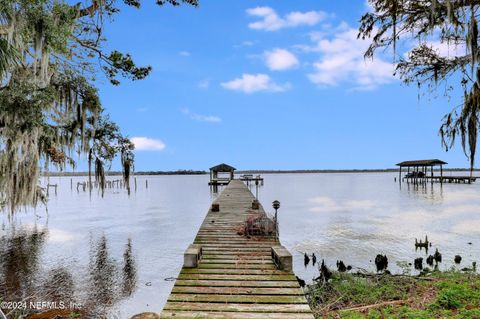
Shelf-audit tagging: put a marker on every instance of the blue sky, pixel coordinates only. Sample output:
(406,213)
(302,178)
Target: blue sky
(266,85)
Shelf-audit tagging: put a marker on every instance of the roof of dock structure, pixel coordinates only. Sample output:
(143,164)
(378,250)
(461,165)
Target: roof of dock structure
(428,162)
(222,168)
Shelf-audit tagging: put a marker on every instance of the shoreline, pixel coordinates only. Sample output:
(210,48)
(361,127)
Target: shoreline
(432,294)
(194,172)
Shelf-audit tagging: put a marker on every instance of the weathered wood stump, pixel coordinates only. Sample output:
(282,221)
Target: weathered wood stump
(381,261)
(437,256)
(418,263)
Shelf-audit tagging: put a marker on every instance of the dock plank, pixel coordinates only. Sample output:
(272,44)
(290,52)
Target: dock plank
(232,315)
(237,283)
(295,308)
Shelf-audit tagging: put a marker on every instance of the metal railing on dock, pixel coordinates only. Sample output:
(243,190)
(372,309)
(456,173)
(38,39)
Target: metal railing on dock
(249,178)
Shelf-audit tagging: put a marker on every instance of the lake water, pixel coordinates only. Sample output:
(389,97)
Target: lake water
(120,251)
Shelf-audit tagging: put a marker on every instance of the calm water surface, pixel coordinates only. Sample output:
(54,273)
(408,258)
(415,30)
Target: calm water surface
(120,251)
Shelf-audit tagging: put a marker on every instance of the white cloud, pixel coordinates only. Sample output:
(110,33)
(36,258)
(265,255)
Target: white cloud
(184,53)
(271,21)
(54,234)
(449,50)
(280,59)
(251,83)
(342,60)
(147,144)
(201,118)
(59,236)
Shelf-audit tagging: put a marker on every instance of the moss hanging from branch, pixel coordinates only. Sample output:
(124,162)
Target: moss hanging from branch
(450,23)
(50,55)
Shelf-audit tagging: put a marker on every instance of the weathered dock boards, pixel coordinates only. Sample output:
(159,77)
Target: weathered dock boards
(236,277)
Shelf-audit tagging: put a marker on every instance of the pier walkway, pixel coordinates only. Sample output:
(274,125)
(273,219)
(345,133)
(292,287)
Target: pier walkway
(235,277)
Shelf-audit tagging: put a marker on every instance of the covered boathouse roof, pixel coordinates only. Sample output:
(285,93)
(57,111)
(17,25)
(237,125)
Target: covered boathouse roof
(223,168)
(429,162)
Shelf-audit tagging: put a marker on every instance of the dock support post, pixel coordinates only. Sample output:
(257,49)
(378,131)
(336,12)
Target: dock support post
(192,256)
(441,173)
(282,258)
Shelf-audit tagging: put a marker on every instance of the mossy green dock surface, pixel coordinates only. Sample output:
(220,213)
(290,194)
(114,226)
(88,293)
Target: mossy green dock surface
(236,277)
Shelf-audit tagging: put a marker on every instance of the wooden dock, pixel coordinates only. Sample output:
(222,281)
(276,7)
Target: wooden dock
(236,277)
(453,179)
(443,179)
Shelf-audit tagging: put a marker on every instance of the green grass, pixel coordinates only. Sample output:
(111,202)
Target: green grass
(449,294)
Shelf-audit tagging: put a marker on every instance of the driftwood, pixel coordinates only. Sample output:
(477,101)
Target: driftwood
(372,275)
(380,304)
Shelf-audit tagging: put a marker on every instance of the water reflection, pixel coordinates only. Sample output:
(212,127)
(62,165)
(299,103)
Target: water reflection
(110,282)
(353,217)
(24,279)
(348,217)
(59,285)
(102,275)
(19,262)
(129,271)
(428,191)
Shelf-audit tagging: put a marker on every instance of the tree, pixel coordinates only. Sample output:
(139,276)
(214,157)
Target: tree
(50,55)
(8,57)
(433,25)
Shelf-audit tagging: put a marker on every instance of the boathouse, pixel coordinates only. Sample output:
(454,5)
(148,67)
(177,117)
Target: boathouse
(420,168)
(422,171)
(221,174)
